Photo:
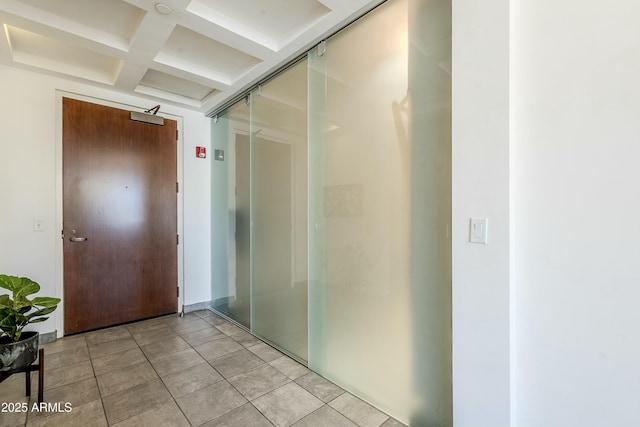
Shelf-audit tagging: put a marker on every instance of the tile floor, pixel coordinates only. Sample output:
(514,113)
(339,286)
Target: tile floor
(199,370)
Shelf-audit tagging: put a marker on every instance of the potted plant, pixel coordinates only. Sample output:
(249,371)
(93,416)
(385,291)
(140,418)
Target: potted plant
(19,349)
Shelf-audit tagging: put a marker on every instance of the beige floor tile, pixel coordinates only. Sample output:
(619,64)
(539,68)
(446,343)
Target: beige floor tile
(89,414)
(391,422)
(62,344)
(205,314)
(216,320)
(192,358)
(66,375)
(191,379)
(106,335)
(289,367)
(191,326)
(75,394)
(287,404)
(14,388)
(358,411)
(162,348)
(116,361)
(66,357)
(265,352)
(246,416)
(214,349)
(157,334)
(16,413)
(235,363)
(325,416)
(114,346)
(245,339)
(175,362)
(174,320)
(146,325)
(229,329)
(135,401)
(210,402)
(131,376)
(203,336)
(321,388)
(258,381)
(165,415)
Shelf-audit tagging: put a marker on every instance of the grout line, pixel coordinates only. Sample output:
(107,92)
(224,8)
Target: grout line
(95,378)
(218,372)
(231,384)
(161,380)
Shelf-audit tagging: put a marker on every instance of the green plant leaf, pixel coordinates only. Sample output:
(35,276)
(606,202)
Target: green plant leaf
(45,301)
(5,301)
(25,287)
(20,319)
(20,286)
(5,318)
(8,282)
(15,308)
(40,312)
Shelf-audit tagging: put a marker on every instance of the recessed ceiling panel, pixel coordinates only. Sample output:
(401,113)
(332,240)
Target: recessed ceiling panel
(176,85)
(49,54)
(206,57)
(279,20)
(192,53)
(114,17)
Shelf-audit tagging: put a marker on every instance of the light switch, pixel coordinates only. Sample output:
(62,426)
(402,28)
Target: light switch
(478,230)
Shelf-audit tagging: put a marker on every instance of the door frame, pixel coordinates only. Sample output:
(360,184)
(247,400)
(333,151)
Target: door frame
(277,137)
(59,254)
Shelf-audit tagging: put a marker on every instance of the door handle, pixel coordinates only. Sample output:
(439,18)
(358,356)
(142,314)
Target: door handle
(77,239)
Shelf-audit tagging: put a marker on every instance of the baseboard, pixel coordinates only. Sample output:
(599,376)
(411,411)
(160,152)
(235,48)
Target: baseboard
(48,337)
(195,307)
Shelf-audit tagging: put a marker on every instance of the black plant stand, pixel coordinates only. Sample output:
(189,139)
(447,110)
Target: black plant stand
(33,367)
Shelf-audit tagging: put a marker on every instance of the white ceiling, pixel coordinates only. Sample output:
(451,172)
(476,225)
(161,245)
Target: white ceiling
(197,56)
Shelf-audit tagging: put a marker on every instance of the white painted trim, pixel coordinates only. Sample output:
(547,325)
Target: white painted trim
(206,305)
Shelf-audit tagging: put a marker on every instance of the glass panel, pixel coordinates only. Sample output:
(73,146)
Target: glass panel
(231,292)
(379,200)
(279,211)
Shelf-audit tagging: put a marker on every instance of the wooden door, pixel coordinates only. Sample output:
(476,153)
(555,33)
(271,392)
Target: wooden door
(119,217)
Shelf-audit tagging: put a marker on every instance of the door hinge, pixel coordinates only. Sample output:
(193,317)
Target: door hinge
(178,291)
(177,239)
(177,138)
(177,187)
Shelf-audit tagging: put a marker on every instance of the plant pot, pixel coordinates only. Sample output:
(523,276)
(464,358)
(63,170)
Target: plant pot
(18,355)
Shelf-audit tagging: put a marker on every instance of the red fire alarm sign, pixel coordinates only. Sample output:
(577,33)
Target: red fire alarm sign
(201,152)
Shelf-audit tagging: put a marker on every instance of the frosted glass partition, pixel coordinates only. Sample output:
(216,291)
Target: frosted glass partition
(379,205)
(233,296)
(279,211)
(338,210)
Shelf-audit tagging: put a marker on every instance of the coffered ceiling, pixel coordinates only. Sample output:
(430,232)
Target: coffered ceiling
(192,53)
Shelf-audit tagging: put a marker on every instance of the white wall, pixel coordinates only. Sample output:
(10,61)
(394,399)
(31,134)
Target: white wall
(480,182)
(576,136)
(546,142)
(30,177)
